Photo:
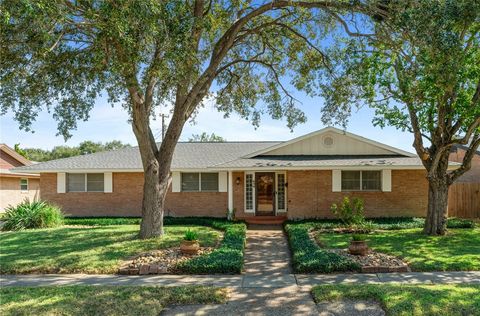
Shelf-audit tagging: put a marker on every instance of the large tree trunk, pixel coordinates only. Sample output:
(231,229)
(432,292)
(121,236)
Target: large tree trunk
(436,221)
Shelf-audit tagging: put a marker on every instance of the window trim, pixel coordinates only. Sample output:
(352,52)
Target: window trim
(21,190)
(253,209)
(200,182)
(85,183)
(361,182)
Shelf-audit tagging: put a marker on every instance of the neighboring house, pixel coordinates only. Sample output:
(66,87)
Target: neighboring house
(14,186)
(473,175)
(299,178)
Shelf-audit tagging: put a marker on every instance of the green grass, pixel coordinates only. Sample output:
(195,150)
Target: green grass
(85,250)
(403,300)
(102,300)
(459,250)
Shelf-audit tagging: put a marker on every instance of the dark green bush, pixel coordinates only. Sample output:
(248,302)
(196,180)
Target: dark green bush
(386,223)
(35,214)
(102,221)
(454,222)
(309,258)
(228,258)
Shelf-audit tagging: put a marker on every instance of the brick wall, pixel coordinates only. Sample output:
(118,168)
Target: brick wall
(310,195)
(126,199)
(10,193)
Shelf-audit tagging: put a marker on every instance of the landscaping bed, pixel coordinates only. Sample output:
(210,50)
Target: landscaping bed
(101,249)
(403,300)
(103,300)
(319,246)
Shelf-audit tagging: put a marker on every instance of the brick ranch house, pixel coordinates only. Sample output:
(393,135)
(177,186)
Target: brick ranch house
(300,178)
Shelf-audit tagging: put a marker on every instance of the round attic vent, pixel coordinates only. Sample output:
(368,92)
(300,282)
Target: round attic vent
(328,141)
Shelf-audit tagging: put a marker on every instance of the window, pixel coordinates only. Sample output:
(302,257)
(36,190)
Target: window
(23,184)
(361,180)
(195,182)
(280,191)
(85,182)
(249,192)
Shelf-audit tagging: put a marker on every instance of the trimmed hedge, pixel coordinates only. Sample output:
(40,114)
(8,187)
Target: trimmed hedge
(307,257)
(228,258)
(102,221)
(387,223)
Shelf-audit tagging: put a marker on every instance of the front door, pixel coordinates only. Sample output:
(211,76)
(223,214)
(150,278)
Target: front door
(265,185)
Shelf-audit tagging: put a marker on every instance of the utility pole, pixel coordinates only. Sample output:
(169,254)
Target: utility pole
(163,124)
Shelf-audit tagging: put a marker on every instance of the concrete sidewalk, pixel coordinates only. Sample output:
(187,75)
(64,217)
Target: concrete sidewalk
(242,281)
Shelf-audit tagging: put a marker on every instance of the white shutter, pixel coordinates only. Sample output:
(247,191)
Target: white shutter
(108,182)
(176,181)
(336,180)
(387,180)
(61,182)
(222,181)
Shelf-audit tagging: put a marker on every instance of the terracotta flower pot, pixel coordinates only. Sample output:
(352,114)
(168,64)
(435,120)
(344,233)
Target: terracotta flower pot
(358,248)
(189,247)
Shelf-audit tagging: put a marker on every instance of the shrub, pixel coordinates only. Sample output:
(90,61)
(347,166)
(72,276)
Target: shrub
(35,214)
(349,212)
(228,258)
(190,235)
(460,223)
(359,237)
(309,258)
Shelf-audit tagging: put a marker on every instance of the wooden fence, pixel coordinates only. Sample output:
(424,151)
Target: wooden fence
(464,200)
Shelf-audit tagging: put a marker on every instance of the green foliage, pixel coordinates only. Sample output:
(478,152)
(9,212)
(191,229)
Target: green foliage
(109,300)
(86,147)
(228,258)
(350,213)
(386,223)
(307,257)
(359,237)
(32,214)
(102,221)
(206,138)
(407,299)
(190,235)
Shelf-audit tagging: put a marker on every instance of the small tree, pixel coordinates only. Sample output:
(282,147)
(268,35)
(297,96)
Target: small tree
(418,66)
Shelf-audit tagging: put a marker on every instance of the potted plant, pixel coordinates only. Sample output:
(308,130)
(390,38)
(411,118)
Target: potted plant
(358,245)
(190,245)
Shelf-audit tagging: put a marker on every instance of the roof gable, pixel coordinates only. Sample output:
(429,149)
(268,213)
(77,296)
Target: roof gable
(330,141)
(7,151)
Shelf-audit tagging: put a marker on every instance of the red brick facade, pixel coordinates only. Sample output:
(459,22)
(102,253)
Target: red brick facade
(126,199)
(309,194)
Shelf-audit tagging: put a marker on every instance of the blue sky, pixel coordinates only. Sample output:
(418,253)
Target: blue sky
(107,123)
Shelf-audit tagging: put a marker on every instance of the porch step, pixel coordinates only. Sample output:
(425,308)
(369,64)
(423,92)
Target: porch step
(265,220)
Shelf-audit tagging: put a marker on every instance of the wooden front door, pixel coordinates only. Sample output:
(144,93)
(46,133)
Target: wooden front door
(265,193)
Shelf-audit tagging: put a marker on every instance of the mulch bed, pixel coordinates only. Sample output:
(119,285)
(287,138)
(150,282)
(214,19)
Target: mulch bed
(373,262)
(162,261)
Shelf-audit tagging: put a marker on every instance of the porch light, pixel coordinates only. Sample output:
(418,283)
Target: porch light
(237,181)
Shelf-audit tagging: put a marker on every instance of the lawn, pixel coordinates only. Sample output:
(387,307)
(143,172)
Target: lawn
(85,249)
(396,299)
(459,250)
(103,300)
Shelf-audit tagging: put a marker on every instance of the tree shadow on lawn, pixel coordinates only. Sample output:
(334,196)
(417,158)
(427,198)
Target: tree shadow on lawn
(88,250)
(409,299)
(103,300)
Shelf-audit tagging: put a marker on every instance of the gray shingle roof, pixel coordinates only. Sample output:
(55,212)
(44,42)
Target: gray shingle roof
(188,155)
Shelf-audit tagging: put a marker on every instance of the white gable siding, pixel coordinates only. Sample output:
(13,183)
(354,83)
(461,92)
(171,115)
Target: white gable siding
(342,145)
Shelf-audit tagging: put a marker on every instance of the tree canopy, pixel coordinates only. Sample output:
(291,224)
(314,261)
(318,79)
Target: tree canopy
(85,147)
(204,137)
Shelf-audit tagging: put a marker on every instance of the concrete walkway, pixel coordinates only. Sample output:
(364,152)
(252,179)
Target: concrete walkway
(242,281)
